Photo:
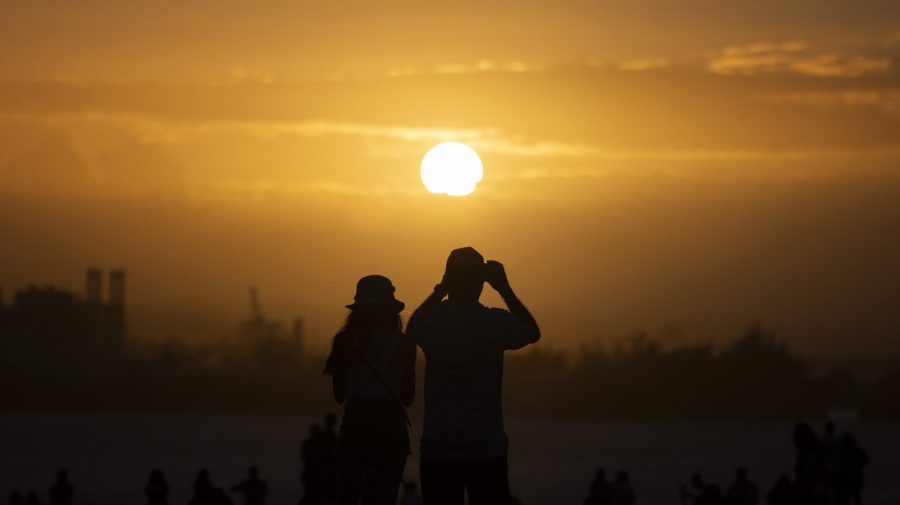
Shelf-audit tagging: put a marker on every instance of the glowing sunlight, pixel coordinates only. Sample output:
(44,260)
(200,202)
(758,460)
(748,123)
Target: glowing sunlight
(451,168)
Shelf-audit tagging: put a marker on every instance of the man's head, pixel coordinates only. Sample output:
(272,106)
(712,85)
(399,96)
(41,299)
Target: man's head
(464,275)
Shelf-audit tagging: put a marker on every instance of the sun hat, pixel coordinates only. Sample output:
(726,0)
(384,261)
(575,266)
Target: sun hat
(375,290)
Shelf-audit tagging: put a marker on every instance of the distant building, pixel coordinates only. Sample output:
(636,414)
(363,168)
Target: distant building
(266,342)
(50,332)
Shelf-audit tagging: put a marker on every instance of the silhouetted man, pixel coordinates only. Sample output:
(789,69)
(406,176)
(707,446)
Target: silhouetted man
(16,498)
(782,493)
(157,489)
(61,492)
(207,494)
(319,453)
(33,499)
(252,488)
(742,491)
(832,456)
(329,462)
(621,492)
(601,490)
(850,481)
(463,441)
(411,494)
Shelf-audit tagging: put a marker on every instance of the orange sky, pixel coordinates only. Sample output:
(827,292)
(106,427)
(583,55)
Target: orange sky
(648,164)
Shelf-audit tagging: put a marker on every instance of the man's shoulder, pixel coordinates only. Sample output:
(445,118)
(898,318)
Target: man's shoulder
(496,311)
(427,312)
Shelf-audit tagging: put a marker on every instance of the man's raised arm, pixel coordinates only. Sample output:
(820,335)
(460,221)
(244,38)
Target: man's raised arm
(495,275)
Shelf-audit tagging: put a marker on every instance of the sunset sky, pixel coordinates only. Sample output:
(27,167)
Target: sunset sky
(648,165)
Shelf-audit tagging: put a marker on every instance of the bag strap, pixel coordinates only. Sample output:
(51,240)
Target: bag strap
(372,368)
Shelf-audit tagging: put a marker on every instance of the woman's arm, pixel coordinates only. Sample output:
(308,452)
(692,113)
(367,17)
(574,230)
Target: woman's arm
(408,381)
(339,385)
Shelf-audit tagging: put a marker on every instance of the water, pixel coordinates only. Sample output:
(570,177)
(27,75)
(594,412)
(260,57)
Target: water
(110,456)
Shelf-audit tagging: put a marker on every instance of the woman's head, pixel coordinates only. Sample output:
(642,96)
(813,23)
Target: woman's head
(362,325)
(366,320)
(373,312)
(375,291)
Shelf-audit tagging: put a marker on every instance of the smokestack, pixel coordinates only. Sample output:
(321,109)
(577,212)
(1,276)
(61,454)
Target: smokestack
(117,288)
(94,287)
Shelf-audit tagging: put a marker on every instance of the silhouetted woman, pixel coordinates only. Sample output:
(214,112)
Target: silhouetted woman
(372,364)
(809,467)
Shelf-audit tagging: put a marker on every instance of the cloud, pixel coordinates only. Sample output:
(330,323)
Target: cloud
(892,40)
(243,75)
(487,140)
(242,190)
(793,57)
(151,129)
(593,152)
(885,101)
(764,47)
(643,64)
(454,68)
(838,65)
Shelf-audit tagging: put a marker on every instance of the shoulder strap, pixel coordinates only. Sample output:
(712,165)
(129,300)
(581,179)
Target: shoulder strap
(381,379)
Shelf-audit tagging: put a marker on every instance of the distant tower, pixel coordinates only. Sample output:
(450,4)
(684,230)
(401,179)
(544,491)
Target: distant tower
(94,286)
(117,288)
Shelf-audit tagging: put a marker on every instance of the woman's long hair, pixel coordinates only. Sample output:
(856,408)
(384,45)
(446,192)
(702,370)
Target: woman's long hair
(362,323)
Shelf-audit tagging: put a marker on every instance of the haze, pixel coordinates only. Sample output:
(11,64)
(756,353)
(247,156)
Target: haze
(649,165)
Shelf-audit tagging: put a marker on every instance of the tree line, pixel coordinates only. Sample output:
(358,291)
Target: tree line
(634,378)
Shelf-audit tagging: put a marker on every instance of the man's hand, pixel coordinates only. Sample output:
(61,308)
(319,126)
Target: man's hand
(440,291)
(495,275)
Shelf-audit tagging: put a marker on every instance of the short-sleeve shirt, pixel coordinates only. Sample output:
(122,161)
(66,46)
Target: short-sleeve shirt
(390,354)
(463,344)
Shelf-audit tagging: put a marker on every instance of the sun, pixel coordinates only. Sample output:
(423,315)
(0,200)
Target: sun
(451,168)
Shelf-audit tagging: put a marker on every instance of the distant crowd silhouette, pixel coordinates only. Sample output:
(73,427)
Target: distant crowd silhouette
(828,470)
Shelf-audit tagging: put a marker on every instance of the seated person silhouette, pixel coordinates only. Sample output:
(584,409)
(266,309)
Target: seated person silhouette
(700,492)
(253,488)
(742,491)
